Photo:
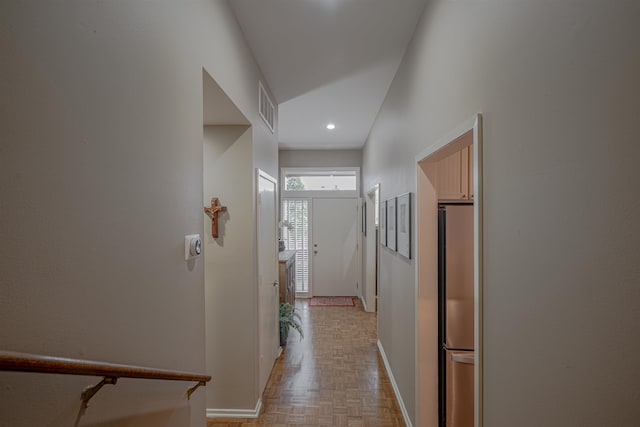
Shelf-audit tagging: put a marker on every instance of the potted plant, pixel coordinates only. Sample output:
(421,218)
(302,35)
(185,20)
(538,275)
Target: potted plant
(289,319)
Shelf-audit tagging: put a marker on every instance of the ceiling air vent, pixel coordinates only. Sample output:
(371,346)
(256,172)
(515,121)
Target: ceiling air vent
(265,106)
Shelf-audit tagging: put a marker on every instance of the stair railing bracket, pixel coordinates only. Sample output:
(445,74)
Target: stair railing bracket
(91,391)
(194,388)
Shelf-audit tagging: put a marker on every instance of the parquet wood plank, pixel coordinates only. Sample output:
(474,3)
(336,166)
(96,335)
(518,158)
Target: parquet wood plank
(334,377)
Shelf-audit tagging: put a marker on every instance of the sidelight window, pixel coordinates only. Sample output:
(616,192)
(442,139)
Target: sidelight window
(295,213)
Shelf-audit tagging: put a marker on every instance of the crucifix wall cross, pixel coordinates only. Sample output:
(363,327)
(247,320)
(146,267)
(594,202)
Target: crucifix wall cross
(213,212)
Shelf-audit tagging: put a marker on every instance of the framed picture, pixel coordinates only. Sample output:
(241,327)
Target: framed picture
(364,218)
(383,223)
(391,224)
(404,225)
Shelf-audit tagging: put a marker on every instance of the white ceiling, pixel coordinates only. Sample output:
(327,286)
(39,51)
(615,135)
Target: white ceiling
(327,61)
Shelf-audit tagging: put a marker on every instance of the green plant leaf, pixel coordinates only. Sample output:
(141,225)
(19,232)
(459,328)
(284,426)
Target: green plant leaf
(289,319)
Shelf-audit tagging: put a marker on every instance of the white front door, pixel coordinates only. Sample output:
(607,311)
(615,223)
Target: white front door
(267,276)
(335,258)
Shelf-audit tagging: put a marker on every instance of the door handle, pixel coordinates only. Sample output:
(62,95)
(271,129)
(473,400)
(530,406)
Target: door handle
(276,283)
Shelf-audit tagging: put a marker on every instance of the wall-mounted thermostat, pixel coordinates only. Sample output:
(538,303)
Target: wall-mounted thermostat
(192,246)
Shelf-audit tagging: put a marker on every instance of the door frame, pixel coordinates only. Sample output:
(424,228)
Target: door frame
(372,244)
(262,174)
(424,222)
(326,194)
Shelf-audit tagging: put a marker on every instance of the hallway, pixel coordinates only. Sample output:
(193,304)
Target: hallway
(333,377)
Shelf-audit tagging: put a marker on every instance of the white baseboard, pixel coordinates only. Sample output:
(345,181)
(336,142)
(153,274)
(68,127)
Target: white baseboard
(405,414)
(364,304)
(235,413)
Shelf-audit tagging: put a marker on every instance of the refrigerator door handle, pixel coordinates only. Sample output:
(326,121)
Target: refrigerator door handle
(468,358)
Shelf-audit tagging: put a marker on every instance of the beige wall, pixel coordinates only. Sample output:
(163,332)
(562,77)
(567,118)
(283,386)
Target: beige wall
(230,289)
(101,177)
(320,158)
(557,84)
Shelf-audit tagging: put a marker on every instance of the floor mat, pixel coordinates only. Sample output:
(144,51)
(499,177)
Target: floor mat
(332,302)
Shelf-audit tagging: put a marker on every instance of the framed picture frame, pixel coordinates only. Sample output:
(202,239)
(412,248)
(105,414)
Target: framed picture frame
(364,218)
(404,225)
(391,224)
(383,223)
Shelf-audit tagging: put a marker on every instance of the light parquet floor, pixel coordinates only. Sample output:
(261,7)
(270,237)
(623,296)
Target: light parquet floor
(334,377)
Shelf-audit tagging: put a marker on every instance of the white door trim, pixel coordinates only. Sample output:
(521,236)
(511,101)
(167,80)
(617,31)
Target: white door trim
(372,243)
(262,174)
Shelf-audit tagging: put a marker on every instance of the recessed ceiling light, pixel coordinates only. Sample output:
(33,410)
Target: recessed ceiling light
(331,126)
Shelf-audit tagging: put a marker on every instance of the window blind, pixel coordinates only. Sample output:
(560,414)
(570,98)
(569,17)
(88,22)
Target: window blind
(296,237)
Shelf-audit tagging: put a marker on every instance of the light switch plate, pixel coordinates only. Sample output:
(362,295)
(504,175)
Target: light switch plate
(192,246)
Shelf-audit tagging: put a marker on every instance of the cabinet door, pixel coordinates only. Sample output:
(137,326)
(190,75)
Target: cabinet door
(453,176)
(283,282)
(292,282)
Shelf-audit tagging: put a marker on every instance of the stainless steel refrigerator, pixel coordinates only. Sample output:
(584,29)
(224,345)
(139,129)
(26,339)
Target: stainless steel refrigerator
(456,317)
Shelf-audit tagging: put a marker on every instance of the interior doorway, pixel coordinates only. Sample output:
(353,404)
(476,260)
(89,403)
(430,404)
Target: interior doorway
(371,239)
(449,170)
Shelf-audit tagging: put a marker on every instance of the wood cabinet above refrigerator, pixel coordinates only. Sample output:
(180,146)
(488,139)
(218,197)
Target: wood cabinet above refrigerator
(455,176)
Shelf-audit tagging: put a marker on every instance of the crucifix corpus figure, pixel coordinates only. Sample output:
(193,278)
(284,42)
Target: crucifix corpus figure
(213,212)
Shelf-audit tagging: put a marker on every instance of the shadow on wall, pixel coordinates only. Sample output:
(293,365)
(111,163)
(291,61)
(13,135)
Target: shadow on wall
(158,419)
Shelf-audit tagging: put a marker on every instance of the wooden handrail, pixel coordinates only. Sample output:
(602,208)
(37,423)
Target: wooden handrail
(25,362)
